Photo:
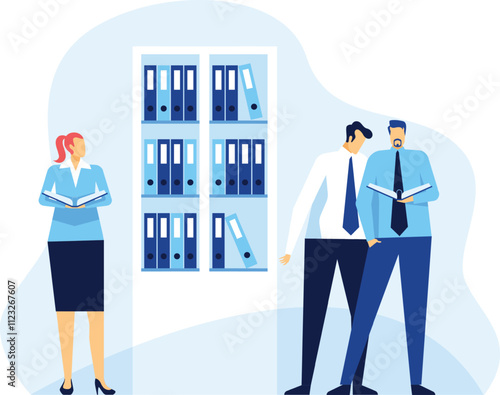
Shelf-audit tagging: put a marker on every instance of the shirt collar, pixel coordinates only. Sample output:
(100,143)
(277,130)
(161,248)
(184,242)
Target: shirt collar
(68,164)
(394,149)
(345,151)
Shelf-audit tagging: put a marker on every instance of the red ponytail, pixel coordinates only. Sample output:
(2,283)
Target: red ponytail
(67,140)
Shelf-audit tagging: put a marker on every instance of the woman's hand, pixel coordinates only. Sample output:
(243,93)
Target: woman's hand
(82,206)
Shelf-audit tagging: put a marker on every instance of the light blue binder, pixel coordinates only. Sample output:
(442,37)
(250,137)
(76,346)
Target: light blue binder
(150,167)
(190,167)
(241,240)
(248,83)
(163,93)
(218,167)
(176,241)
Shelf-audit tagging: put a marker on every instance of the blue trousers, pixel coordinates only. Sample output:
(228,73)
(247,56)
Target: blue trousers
(414,259)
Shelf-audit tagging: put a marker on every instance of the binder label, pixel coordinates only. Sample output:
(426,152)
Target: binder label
(177,80)
(163,228)
(190,154)
(150,228)
(151,80)
(218,154)
(218,228)
(258,154)
(190,228)
(190,80)
(244,154)
(177,228)
(163,154)
(232,79)
(236,229)
(163,80)
(218,80)
(151,153)
(177,154)
(247,78)
(232,154)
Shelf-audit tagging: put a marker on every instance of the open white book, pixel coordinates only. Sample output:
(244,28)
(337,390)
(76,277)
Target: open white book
(404,195)
(74,202)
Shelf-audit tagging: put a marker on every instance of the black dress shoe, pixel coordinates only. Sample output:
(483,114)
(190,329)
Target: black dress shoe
(98,386)
(66,390)
(300,390)
(362,390)
(419,390)
(342,390)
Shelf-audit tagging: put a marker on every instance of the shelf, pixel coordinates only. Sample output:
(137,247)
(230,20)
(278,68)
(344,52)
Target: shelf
(241,122)
(169,196)
(170,122)
(169,270)
(239,196)
(239,270)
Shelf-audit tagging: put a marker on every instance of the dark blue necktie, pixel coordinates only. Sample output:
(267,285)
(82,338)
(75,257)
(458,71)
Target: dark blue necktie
(351,222)
(399,222)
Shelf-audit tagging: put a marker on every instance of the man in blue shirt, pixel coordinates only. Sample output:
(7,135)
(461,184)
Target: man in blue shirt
(394,228)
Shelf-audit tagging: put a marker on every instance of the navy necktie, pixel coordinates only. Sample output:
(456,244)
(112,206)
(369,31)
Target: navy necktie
(399,222)
(351,222)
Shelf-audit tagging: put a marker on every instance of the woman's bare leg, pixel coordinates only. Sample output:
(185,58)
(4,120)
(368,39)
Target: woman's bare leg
(66,324)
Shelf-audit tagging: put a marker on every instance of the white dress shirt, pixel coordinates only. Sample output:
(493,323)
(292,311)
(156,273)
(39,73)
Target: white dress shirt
(333,166)
(75,173)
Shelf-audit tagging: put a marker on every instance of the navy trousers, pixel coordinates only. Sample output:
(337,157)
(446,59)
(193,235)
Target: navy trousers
(321,257)
(414,260)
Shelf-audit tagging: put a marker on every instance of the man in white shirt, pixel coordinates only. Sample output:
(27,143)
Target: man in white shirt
(342,240)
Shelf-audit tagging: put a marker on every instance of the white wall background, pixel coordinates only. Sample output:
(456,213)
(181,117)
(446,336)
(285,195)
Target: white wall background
(438,78)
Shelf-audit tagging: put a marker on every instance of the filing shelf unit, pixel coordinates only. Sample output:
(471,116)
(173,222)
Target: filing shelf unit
(256,213)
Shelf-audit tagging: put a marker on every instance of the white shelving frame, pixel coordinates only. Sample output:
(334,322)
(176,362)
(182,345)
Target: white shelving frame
(165,302)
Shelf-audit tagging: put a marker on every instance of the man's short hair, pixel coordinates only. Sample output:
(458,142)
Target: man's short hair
(356,125)
(396,124)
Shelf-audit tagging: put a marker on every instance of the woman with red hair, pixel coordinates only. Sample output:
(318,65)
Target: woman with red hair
(76,252)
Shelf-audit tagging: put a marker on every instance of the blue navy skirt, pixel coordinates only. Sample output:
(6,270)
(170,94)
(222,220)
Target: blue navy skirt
(77,269)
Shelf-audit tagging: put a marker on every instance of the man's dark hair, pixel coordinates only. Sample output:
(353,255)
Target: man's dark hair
(396,124)
(356,125)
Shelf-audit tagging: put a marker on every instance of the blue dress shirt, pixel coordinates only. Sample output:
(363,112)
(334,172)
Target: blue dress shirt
(375,209)
(75,224)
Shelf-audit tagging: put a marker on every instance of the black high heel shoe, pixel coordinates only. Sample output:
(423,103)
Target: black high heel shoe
(98,386)
(66,390)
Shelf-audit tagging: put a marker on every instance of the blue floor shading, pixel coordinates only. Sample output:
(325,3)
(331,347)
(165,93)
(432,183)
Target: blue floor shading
(118,373)
(386,369)
(238,355)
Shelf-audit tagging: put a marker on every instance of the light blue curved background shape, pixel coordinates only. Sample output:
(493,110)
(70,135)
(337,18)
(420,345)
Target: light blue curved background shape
(90,90)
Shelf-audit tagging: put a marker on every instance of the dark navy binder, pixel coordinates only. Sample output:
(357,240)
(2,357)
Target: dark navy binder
(150,93)
(231,93)
(163,241)
(177,167)
(190,241)
(218,229)
(150,241)
(218,93)
(163,167)
(190,93)
(245,167)
(177,89)
(231,167)
(259,167)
